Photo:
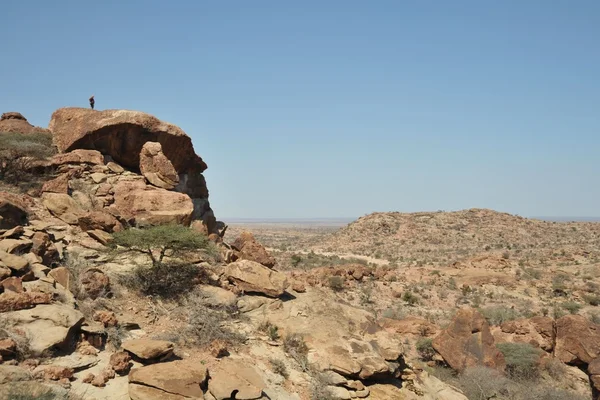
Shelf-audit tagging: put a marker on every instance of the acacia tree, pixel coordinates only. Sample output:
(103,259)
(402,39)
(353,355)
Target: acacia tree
(172,278)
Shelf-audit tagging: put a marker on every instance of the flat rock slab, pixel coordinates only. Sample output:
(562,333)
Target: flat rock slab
(253,277)
(148,349)
(76,361)
(235,376)
(177,378)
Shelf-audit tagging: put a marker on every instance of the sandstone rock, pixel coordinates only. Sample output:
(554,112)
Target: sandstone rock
(468,342)
(114,167)
(409,326)
(13,233)
(218,348)
(8,348)
(235,376)
(60,184)
(11,301)
(62,276)
(102,237)
(15,246)
(176,378)
(63,207)
(13,211)
(78,156)
(98,177)
(75,361)
(253,277)
(121,134)
(537,331)
(43,247)
(106,318)
(46,326)
(156,167)
(120,362)
(94,283)
(14,262)
(12,284)
(99,220)
(214,296)
(298,287)
(99,380)
(54,372)
(14,122)
(4,272)
(152,206)
(339,393)
(148,349)
(577,340)
(251,249)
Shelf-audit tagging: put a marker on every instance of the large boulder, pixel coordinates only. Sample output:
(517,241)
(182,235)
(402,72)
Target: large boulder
(235,379)
(468,342)
(148,349)
(47,326)
(14,122)
(13,211)
(172,380)
(577,340)
(537,331)
(146,205)
(122,134)
(251,249)
(63,207)
(252,277)
(156,167)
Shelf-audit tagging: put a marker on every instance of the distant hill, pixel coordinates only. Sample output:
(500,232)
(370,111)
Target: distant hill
(441,237)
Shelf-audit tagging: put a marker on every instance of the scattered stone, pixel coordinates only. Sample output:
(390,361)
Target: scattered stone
(252,277)
(156,167)
(149,350)
(88,378)
(94,283)
(76,362)
(15,246)
(120,362)
(107,318)
(54,372)
(13,233)
(218,348)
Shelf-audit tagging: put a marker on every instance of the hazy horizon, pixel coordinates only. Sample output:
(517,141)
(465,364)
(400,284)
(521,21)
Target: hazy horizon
(333,108)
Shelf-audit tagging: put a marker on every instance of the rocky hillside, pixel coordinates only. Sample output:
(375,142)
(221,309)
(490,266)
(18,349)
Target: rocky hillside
(116,283)
(443,237)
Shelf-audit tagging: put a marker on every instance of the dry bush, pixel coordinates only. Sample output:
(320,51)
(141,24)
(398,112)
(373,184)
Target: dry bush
(336,283)
(496,315)
(425,348)
(481,383)
(19,153)
(295,346)
(279,367)
(204,325)
(522,360)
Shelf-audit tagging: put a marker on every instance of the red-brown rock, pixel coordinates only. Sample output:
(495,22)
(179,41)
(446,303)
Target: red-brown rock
(537,331)
(468,342)
(56,373)
(78,156)
(577,340)
(120,362)
(121,134)
(99,220)
(156,167)
(14,122)
(107,318)
(12,301)
(60,184)
(12,284)
(250,249)
(8,348)
(13,211)
(94,283)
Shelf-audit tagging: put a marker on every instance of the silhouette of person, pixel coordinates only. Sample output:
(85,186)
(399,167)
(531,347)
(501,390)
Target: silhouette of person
(92,102)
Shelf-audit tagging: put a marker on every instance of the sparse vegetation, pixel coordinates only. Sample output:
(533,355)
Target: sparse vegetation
(295,346)
(425,348)
(336,283)
(18,156)
(206,325)
(496,315)
(279,367)
(410,298)
(571,306)
(522,360)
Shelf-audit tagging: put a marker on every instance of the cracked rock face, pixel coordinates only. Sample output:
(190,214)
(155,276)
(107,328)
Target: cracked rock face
(171,380)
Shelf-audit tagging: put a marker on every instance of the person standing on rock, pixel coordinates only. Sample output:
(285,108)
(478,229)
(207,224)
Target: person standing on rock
(92,102)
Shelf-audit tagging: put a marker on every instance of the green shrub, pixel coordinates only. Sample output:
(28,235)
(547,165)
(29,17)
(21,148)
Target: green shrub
(166,280)
(410,298)
(592,300)
(425,348)
(172,238)
(571,306)
(522,360)
(496,315)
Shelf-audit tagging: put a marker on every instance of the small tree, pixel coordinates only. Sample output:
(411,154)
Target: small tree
(174,239)
(169,279)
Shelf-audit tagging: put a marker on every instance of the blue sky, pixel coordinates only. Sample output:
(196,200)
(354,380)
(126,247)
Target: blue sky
(337,108)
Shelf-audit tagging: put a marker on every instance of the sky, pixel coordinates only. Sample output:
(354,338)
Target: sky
(337,108)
